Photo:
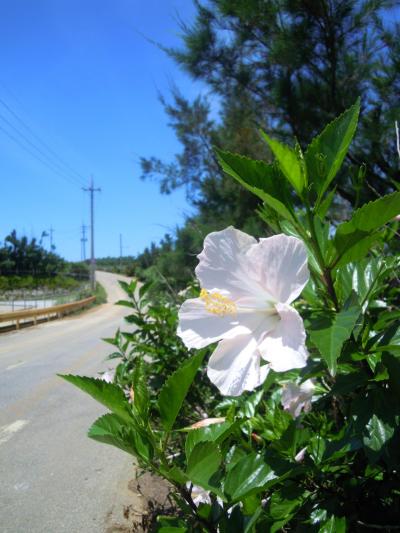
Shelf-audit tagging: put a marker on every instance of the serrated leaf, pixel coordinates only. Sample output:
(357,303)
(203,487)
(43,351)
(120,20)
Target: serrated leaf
(329,335)
(260,178)
(203,463)
(110,429)
(108,394)
(141,397)
(249,475)
(289,162)
(353,238)
(333,144)
(175,389)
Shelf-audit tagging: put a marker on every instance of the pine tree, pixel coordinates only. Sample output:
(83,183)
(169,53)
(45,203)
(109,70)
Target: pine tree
(288,67)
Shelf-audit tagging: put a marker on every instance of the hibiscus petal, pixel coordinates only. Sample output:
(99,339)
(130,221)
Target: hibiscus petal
(296,398)
(198,327)
(222,263)
(235,366)
(284,347)
(279,264)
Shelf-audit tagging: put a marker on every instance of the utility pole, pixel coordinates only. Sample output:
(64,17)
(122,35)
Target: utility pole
(92,190)
(83,242)
(51,231)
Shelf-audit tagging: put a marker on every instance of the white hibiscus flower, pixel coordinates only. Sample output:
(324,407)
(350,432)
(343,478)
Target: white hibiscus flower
(247,287)
(296,398)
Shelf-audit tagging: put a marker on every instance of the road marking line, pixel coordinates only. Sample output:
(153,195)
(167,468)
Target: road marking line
(6,432)
(15,365)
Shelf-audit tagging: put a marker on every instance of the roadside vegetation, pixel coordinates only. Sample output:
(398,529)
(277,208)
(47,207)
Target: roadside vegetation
(25,265)
(261,377)
(101,295)
(267,393)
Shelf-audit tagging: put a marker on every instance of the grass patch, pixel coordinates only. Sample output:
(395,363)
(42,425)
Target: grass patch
(101,295)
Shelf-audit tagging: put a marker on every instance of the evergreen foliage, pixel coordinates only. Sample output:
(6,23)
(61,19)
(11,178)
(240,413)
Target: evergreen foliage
(287,67)
(21,256)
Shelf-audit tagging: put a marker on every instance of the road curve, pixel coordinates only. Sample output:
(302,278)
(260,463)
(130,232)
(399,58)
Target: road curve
(53,478)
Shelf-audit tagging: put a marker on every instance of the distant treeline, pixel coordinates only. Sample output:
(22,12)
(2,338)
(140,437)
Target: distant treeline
(119,265)
(25,263)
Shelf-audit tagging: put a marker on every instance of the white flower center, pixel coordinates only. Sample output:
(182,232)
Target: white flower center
(218,304)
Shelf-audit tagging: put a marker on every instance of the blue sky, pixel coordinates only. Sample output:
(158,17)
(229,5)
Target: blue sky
(82,77)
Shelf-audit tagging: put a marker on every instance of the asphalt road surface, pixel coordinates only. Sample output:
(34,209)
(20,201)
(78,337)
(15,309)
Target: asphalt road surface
(53,478)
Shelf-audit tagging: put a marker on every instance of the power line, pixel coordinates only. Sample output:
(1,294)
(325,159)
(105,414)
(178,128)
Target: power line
(43,161)
(42,142)
(43,154)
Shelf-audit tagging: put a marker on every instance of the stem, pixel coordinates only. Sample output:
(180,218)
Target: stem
(330,287)
(187,496)
(327,275)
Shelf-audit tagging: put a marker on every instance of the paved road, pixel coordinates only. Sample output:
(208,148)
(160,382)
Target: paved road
(53,478)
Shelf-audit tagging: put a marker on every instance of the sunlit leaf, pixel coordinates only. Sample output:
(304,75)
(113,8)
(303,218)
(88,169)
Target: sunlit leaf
(175,389)
(326,153)
(261,179)
(289,162)
(108,394)
(329,334)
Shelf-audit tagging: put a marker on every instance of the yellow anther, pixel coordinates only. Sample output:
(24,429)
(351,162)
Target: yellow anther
(217,304)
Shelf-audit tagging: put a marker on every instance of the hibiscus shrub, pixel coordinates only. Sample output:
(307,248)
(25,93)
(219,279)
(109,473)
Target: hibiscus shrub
(305,332)
(153,345)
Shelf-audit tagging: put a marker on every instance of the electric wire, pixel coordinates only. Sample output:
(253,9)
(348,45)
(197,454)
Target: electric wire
(33,154)
(42,142)
(43,154)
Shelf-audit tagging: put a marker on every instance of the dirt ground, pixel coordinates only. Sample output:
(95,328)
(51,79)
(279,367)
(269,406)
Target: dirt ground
(153,501)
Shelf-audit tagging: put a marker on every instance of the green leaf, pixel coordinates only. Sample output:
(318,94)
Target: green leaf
(289,162)
(326,153)
(248,476)
(334,525)
(215,433)
(176,474)
(325,204)
(126,303)
(260,178)
(171,529)
(141,398)
(170,524)
(110,429)
(353,238)
(129,288)
(329,335)
(107,394)
(362,278)
(203,463)
(290,230)
(379,432)
(285,500)
(175,389)
(251,522)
